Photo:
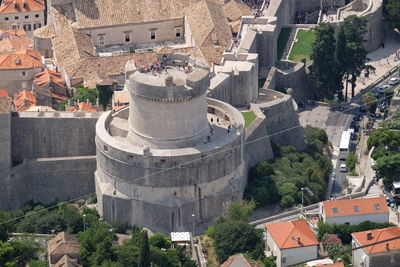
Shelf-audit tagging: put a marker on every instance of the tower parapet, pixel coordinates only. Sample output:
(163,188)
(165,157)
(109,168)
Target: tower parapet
(168,107)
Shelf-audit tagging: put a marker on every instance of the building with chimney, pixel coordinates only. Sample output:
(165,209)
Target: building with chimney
(385,253)
(291,242)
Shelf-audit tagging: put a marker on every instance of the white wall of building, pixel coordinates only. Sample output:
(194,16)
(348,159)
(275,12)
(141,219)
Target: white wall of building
(360,257)
(357,219)
(290,256)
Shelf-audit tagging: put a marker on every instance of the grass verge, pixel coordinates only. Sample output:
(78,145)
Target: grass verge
(302,47)
(249,117)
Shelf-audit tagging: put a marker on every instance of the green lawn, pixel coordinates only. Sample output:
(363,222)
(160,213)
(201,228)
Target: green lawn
(249,117)
(282,41)
(302,48)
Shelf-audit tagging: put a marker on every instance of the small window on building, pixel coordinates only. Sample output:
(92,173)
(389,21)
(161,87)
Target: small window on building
(335,210)
(177,32)
(377,206)
(356,209)
(25,5)
(6,18)
(27,27)
(23,73)
(101,39)
(16,5)
(36,15)
(105,148)
(152,34)
(26,17)
(16,17)
(283,260)
(127,38)
(37,26)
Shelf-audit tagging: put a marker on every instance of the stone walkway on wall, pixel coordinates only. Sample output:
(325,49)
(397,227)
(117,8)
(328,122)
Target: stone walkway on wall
(383,60)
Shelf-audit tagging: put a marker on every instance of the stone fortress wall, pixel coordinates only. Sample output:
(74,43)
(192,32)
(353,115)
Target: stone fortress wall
(48,165)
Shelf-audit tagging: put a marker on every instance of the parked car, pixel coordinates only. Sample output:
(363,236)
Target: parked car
(362,108)
(357,118)
(383,88)
(343,167)
(393,81)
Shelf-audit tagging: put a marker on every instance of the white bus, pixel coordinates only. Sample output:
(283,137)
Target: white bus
(345,141)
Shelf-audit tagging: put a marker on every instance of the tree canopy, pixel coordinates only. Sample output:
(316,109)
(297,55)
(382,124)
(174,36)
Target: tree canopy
(232,237)
(282,179)
(393,10)
(324,61)
(351,55)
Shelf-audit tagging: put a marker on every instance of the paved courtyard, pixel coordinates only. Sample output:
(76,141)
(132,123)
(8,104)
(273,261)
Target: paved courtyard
(383,59)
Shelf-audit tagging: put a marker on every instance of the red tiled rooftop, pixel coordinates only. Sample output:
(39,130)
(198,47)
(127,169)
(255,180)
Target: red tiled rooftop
(376,236)
(49,76)
(3,93)
(345,207)
(24,100)
(286,234)
(15,6)
(14,40)
(23,59)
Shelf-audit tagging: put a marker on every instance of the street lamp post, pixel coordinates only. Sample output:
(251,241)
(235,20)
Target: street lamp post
(302,200)
(84,225)
(193,225)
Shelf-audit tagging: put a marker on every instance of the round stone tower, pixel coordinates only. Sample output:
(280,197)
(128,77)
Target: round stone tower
(173,153)
(168,110)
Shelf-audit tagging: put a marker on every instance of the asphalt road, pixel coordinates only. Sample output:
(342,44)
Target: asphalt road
(338,178)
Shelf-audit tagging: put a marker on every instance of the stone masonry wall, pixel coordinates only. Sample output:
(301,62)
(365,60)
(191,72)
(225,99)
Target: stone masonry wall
(5,142)
(46,180)
(52,134)
(283,124)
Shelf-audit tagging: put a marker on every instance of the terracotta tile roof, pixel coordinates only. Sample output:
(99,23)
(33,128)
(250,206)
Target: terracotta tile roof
(346,207)
(3,93)
(99,13)
(235,9)
(24,100)
(82,106)
(22,59)
(376,236)
(286,234)
(67,261)
(71,47)
(63,250)
(14,40)
(94,69)
(15,6)
(210,29)
(49,77)
(239,260)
